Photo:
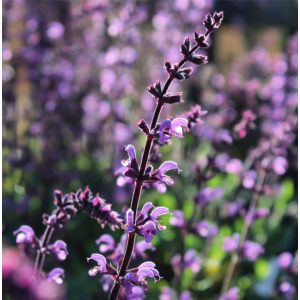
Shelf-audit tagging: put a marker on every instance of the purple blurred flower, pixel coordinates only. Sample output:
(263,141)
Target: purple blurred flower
(167,294)
(208,195)
(262,212)
(206,229)
(57,275)
(285,260)
(231,243)
(232,209)
(177,219)
(190,260)
(252,250)
(106,243)
(185,295)
(249,179)
(232,294)
(234,166)
(287,290)
(24,234)
(280,165)
(59,248)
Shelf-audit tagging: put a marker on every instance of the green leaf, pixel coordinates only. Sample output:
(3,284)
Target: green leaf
(262,269)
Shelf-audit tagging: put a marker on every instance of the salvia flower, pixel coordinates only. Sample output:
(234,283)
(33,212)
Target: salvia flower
(170,98)
(147,221)
(178,73)
(190,260)
(206,230)
(177,219)
(194,116)
(137,277)
(160,173)
(287,290)
(24,235)
(231,243)
(131,164)
(102,265)
(59,249)
(252,250)
(285,260)
(232,294)
(106,243)
(208,195)
(169,128)
(57,275)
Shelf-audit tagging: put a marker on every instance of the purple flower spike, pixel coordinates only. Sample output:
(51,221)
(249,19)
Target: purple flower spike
(129,220)
(24,235)
(252,250)
(285,260)
(148,230)
(102,264)
(231,243)
(106,243)
(59,248)
(232,294)
(57,275)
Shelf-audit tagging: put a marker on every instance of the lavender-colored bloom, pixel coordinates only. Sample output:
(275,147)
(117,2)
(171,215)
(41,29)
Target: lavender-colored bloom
(129,220)
(233,209)
(190,260)
(141,247)
(234,166)
(249,179)
(231,243)
(232,294)
(57,275)
(262,212)
(101,264)
(177,219)
(208,195)
(148,231)
(131,164)
(137,277)
(158,211)
(185,295)
(285,260)
(24,234)
(106,243)
(59,248)
(167,294)
(159,174)
(287,290)
(206,229)
(280,165)
(252,250)
(195,115)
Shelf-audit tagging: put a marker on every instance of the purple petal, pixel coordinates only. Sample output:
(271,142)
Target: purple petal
(158,211)
(177,124)
(100,260)
(149,231)
(131,151)
(167,166)
(147,206)
(285,260)
(165,125)
(60,249)
(129,220)
(147,264)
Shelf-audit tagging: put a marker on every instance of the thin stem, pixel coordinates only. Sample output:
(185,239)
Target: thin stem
(235,258)
(44,254)
(139,182)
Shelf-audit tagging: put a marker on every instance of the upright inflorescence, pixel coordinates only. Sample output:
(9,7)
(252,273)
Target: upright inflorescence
(145,222)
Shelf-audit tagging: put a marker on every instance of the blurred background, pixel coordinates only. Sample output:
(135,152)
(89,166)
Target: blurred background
(74,87)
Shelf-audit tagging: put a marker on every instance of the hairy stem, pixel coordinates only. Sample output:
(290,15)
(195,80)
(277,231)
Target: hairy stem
(235,258)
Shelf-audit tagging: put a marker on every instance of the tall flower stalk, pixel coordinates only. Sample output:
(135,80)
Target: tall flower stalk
(175,71)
